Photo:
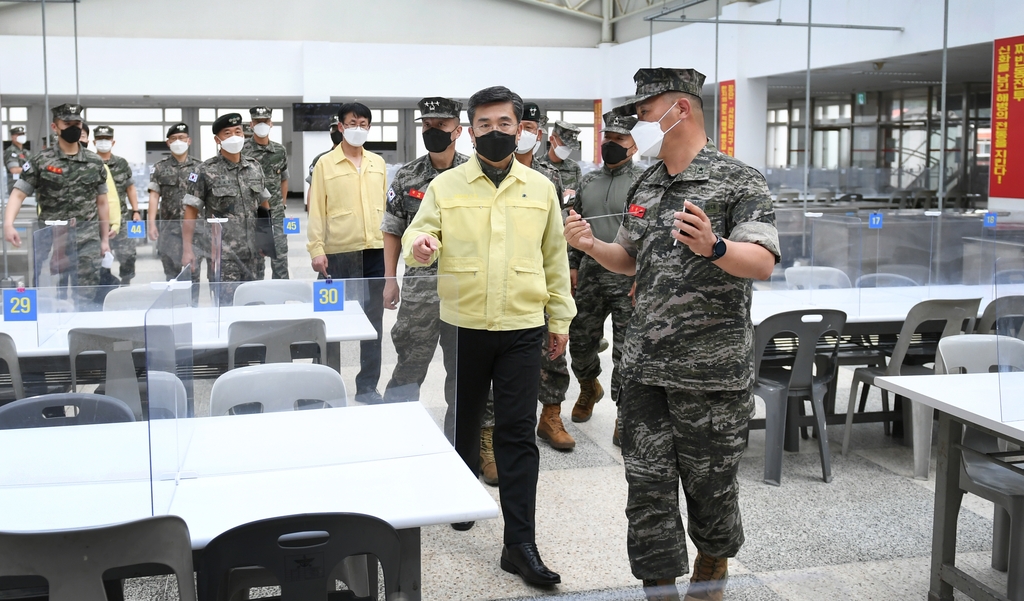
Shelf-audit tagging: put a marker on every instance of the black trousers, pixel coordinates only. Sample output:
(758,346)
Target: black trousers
(368,263)
(511,360)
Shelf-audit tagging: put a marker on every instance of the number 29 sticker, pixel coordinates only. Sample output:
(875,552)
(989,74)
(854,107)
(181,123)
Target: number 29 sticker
(329,295)
(19,305)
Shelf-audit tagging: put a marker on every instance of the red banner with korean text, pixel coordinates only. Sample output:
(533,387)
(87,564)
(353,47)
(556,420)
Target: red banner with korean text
(727,117)
(1007,119)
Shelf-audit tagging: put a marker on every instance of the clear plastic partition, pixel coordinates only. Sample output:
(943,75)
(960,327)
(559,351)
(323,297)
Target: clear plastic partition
(1004,316)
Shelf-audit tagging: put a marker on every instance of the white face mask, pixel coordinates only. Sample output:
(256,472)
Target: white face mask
(104,145)
(233,145)
(527,142)
(562,152)
(261,129)
(647,136)
(179,147)
(21,139)
(356,136)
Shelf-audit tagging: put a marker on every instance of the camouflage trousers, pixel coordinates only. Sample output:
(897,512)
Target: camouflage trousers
(279,266)
(234,270)
(554,381)
(415,336)
(123,248)
(71,256)
(670,435)
(599,293)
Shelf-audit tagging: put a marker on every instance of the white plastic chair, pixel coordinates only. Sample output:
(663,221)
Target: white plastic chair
(131,297)
(816,278)
(277,387)
(273,292)
(167,396)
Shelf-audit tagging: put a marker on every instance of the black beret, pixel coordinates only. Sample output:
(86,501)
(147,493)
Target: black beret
(228,120)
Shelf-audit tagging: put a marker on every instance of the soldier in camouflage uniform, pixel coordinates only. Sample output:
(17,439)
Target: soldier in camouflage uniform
(273,157)
(15,156)
(699,226)
(336,138)
(418,326)
(121,171)
(231,186)
(599,292)
(70,184)
(167,183)
(563,140)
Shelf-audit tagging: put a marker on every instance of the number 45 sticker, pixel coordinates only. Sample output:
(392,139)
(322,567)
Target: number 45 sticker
(19,305)
(328,295)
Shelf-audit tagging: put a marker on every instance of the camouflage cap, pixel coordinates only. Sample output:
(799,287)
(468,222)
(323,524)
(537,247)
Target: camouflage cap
(179,128)
(17,130)
(103,131)
(436,107)
(68,112)
(618,124)
(651,82)
(260,112)
(246,130)
(228,120)
(532,112)
(567,133)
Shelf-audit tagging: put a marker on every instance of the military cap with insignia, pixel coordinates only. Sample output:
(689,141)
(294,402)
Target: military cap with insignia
(618,124)
(439,108)
(651,82)
(17,130)
(178,128)
(260,112)
(224,121)
(532,112)
(68,112)
(567,133)
(103,131)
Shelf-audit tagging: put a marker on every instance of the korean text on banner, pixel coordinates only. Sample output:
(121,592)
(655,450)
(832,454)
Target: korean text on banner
(1007,118)
(727,117)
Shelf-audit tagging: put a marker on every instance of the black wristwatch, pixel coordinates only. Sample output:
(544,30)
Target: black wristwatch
(718,249)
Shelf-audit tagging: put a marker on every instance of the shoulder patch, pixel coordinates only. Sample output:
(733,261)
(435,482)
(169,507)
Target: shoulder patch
(416,194)
(26,166)
(193,177)
(391,194)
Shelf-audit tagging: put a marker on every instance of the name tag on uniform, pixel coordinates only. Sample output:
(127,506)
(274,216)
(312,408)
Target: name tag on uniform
(19,305)
(136,229)
(328,295)
(291,225)
(416,194)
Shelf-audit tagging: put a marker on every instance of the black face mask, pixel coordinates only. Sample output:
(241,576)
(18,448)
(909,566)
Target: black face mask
(337,137)
(495,146)
(612,153)
(437,140)
(71,134)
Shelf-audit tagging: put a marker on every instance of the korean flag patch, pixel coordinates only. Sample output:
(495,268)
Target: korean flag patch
(391,194)
(26,167)
(193,177)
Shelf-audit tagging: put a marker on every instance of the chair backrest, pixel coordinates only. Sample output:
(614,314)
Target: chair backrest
(958,316)
(131,297)
(51,410)
(277,336)
(787,196)
(168,398)
(277,387)
(117,344)
(883,280)
(824,196)
(301,551)
(1004,315)
(808,326)
(919,273)
(273,292)
(1009,276)
(9,354)
(900,199)
(73,561)
(816,278)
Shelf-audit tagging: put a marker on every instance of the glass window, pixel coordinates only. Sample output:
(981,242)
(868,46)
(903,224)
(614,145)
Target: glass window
(390,133)
(208,115)
(375,116)
(390,116)
(172,115)
(243,112)
(867,112)
(416,114)
(109,115)
(796,146)
(782,116)
(465,116)
(797,116)
(554,116)
(375,134)
(847,111)
(865,147)
(586,139)
(578,116)
(277,115)
(19,113)
(207,147)
(915,104)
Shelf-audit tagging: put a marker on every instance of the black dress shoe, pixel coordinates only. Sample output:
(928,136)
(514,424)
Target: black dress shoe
(462,526)
(524,560)
(369,397)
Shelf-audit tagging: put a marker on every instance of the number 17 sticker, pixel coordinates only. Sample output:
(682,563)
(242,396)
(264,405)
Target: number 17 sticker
(328,295)
(875,221)
(19,305)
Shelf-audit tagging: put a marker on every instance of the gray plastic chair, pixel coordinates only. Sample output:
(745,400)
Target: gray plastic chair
(919,273)
(816,278)
(277,387)
(1004,316)
(954,313)
(1009,276)
(787,196)
(277,336)
(883,280)
(167,396)
(73,562)
(273,292)
(117,344)
(1004,488)
(128,298)
(9,355)
(782,389)
(50,410)
(824,196)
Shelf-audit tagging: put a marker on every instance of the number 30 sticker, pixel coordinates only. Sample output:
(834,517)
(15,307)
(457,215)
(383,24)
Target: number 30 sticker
(328,295)
(19,305)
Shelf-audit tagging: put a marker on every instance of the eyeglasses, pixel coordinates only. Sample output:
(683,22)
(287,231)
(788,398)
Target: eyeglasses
(486,128)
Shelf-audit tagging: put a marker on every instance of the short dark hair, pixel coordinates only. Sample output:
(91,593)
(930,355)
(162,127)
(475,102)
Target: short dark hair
(360,109)
(492,95)
(85,127)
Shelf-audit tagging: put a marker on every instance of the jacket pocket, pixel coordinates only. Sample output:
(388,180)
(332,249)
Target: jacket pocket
(529,218)
(466,284)
(527,287)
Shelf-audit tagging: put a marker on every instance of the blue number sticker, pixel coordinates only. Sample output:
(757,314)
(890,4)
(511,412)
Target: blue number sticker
(875,221)
(329,295)
(291,225)
(136,229)
(990,220)
(19,305)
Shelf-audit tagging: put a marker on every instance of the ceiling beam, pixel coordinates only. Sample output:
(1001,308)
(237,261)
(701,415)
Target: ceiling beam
(565,10)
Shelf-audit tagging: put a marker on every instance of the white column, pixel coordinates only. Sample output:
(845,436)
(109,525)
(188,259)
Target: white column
(751,120)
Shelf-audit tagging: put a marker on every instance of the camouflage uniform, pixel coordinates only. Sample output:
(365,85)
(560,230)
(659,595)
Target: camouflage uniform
(599,292)
(569,172)
(222,189)
(418,326)
(14,157)
(274,159)
(169,179)
(123,247)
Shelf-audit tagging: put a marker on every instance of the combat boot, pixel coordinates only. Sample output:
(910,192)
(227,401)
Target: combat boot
(590,393)
(661,590)
(709,577)
(488,468)
(551,429)
(615,434)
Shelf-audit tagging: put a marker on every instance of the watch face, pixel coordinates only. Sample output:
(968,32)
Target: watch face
(719,249)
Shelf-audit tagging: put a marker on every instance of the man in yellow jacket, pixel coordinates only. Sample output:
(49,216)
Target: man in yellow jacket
(494,227)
